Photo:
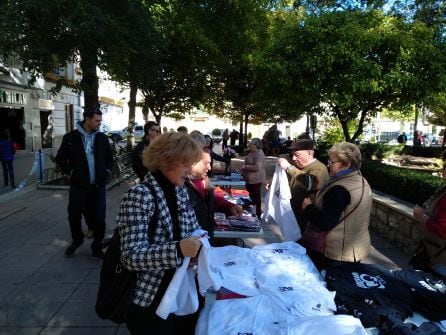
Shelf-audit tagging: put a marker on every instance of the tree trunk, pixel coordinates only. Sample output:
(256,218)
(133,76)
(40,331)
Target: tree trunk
(245,142)
(132,108)
(415,130)
(360,128)
(89,82)
(157,115)
(241,135)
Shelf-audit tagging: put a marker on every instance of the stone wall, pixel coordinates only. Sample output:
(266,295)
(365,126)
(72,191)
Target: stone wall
(392,219)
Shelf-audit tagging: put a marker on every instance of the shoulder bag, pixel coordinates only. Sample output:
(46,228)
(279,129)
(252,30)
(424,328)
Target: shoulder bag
(117,283)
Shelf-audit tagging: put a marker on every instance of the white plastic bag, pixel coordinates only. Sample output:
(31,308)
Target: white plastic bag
(278,207)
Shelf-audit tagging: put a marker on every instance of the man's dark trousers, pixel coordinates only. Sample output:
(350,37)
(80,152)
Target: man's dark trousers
(90,202)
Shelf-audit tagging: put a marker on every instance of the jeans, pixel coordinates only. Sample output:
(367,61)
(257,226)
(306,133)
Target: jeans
(88,201)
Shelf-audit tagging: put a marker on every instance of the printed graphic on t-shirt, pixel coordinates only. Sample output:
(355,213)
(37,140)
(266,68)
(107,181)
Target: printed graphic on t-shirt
(365,280)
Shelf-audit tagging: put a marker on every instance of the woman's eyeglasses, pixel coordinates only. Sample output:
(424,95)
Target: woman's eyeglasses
(157,130)
(330,162)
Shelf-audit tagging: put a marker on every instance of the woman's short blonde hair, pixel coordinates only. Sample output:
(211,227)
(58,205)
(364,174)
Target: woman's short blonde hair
(170,149)
(347,153)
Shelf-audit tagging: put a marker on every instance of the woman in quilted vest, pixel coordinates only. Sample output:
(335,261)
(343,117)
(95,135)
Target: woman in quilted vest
(339,217)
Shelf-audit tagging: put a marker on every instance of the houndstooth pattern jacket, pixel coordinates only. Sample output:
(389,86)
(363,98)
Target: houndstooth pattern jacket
(137,252)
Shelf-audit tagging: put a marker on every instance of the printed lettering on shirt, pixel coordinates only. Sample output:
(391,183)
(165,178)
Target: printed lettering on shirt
(231,263)
(216,271)
(365,280)
(427,286)
(278,251)
(285,288)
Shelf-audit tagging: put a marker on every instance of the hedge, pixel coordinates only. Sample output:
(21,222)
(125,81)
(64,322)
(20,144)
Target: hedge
(412,186)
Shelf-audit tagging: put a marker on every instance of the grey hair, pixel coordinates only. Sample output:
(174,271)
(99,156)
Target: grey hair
(347,153)
(257,142)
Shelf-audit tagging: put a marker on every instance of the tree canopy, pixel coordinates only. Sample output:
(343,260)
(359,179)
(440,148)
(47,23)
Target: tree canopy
(249,60)
(352,64)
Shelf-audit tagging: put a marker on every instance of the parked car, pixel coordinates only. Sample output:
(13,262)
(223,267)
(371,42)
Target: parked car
(433,139)
(119,135)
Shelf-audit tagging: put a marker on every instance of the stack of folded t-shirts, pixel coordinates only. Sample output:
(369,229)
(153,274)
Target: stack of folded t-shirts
(221,223)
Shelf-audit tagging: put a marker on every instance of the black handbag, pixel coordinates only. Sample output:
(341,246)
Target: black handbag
(117,283)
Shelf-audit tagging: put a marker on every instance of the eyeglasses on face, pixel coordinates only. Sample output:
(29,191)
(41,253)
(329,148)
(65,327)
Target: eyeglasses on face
(157,130)
(330,162)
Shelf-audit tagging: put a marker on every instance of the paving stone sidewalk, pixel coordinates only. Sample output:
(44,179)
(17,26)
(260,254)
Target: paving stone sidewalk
(41,290)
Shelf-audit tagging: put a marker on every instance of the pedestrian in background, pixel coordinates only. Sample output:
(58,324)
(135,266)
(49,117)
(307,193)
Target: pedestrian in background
(86,159)
(254,173)
(7,153)
(182,129)
(234,136)
(151,130)
(215,156)
(225,138)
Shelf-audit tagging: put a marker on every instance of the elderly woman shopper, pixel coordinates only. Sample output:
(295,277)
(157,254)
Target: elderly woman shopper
(155,251)
(432,215)
(254,173)
(338,229)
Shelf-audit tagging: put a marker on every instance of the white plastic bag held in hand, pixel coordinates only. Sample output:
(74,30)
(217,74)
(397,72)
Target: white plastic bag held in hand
(278,207)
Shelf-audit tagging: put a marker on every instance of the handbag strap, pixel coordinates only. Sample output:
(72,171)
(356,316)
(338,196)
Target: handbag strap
(346,216)
(356,206)
(152,222)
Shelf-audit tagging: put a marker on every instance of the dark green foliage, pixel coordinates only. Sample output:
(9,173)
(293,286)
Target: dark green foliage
(409,185)
(421,151)
(379,150)
(321,151)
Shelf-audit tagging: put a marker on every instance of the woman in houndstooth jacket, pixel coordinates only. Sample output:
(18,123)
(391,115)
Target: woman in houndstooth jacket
(155,252)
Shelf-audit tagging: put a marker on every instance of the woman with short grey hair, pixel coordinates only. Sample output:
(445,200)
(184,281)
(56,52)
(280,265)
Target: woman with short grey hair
(254,173)
(347,152)
(338,229)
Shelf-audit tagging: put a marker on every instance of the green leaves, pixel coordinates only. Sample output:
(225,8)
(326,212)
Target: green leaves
(356,63)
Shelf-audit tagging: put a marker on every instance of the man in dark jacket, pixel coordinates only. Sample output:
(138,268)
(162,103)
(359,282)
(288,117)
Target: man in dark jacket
(151,130)
(86,160)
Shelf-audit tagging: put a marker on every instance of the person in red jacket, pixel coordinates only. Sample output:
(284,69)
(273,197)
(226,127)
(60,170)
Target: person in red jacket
(202,195)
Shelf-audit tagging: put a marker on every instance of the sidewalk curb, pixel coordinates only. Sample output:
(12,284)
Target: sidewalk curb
(16,193)
(109,186)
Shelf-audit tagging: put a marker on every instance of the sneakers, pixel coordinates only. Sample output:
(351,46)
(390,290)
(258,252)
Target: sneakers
(98,253)
(72,248)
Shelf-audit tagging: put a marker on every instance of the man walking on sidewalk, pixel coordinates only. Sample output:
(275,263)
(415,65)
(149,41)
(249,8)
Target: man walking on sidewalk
(85,158)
